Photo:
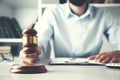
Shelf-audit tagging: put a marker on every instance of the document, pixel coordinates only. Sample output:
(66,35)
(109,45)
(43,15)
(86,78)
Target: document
(73,61)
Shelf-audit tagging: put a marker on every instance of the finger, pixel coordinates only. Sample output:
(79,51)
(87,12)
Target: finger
(106,60)
(100,58)
(25,49)
(24,52)
(30,58)
(97,57)
(91,57)
(113,60)
(29,50)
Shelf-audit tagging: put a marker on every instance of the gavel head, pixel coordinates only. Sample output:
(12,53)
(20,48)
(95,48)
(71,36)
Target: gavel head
(29,37)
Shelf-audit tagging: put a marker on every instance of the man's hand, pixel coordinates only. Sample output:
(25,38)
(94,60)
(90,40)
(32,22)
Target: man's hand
(106,57)
(28,58)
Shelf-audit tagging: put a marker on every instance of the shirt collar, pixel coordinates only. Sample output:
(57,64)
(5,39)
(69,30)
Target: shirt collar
(90,11)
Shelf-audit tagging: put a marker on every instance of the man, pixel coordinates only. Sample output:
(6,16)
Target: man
(75,30)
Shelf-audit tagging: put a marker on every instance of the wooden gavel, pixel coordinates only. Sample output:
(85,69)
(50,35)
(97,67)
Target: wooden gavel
(29,40)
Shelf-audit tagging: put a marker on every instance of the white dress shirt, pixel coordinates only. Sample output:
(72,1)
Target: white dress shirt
(77,36)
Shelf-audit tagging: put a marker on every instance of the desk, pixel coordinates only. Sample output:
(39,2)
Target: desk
(63,73)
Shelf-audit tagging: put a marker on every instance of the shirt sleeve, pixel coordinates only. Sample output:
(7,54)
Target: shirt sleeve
(44,29)
(112,31)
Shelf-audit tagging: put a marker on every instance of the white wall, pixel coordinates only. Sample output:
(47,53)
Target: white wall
(5,9)
(26,16)
(50,1)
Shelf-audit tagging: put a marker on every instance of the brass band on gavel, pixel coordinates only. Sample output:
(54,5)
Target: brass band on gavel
(27,40)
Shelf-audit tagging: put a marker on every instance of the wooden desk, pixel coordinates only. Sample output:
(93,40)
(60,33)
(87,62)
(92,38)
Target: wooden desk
(63,73)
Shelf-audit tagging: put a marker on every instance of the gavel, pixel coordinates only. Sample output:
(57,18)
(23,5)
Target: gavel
(30,41)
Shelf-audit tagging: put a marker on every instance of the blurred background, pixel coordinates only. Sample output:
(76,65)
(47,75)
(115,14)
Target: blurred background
(16,15)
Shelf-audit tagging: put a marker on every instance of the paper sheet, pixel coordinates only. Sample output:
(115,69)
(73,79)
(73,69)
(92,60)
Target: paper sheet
(72,61)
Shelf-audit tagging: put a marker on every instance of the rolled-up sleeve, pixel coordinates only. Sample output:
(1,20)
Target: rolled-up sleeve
(113,30)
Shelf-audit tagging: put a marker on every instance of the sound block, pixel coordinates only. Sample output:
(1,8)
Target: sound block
(28,69)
